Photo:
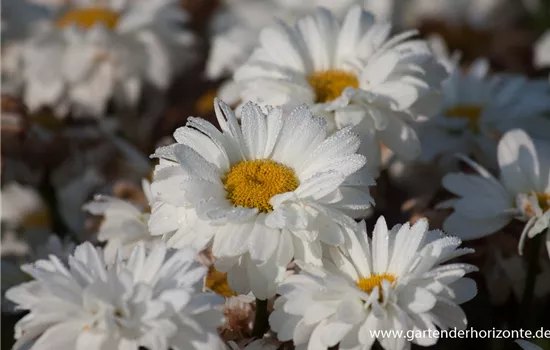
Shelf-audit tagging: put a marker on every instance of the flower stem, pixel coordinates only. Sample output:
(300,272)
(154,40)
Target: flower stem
(530,281)
(260,319)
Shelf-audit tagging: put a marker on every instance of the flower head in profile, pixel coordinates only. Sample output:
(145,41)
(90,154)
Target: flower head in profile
(351,72)
(124,224)
(478,108)
(92,53)
(400,280)
(260,193)
(521,192)
(151,300)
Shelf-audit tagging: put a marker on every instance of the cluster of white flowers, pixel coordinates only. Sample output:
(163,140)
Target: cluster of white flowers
(78,56)
(271,203)
(349,72)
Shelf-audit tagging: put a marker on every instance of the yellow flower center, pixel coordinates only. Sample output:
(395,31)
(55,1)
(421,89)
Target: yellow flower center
(367,284)
(543,200)
(329,85)
(217,282)
(252,183)
(88,17)
(469,112)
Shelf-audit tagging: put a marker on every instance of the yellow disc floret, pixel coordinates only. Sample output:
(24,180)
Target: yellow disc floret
(217,282)
(469,112)
(252,183)
(368,284)
(329,85)
(88,17)
(543,200)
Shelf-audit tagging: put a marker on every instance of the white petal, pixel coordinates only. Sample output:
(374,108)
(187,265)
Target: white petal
(380,244)
(518,161)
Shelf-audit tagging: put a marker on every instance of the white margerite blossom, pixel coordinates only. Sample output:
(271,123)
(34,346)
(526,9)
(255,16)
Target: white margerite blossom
(260,193)
(28,250)
(124,224)
(237,23)
(479,107)
(522,191)
(527,345)
(351,72)
(396,281)
(91,53)
(150,300)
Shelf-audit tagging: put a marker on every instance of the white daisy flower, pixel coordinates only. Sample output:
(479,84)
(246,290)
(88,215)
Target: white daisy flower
(150,300)
(94,52)
(260,193)
(478,108)
(527,345)
(237,23)
(521,192)
(124,224)
(351,73)
(396,281)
